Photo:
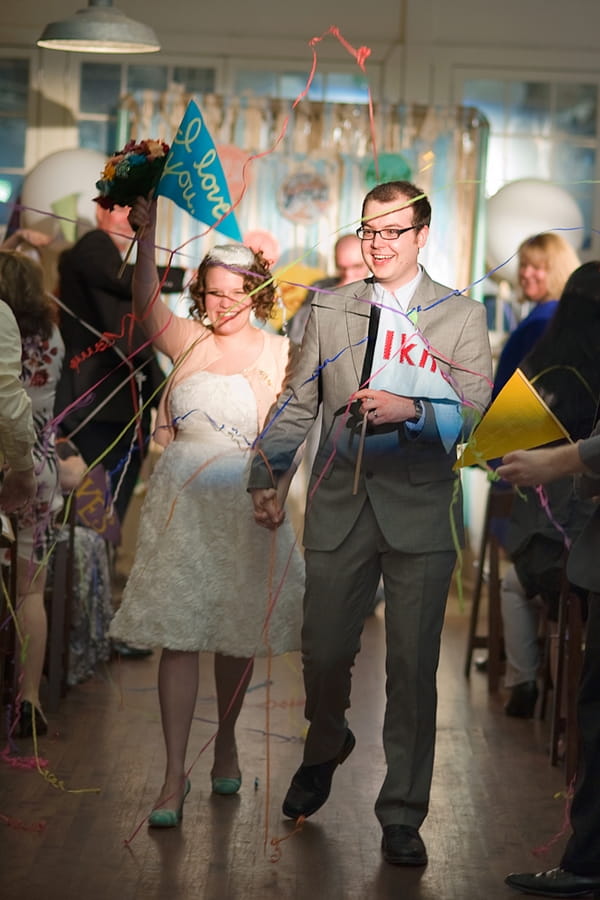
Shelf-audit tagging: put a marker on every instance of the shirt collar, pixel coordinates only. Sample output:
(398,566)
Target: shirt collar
(401,297)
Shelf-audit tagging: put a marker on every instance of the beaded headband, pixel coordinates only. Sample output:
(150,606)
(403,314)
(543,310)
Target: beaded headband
(232,255)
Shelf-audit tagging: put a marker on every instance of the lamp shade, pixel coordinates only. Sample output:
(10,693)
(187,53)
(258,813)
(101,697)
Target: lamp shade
(100,28)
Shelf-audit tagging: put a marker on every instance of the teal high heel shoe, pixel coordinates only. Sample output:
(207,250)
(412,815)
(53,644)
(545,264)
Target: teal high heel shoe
(169,818)
(226,785)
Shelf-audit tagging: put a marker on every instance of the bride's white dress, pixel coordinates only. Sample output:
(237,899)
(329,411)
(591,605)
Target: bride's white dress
(205,576)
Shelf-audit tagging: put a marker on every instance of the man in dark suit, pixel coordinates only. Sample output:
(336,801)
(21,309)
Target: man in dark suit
(578,874)
(396,515)
(103,345)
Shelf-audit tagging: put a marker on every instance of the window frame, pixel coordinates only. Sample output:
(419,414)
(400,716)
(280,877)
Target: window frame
(553,77)
(9,54)
(166,61)
(280,67)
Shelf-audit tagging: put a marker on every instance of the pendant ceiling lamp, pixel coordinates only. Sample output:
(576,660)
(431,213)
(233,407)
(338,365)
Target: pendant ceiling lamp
(101,28)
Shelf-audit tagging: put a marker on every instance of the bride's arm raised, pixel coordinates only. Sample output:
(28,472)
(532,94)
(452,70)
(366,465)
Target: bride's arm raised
(154,316)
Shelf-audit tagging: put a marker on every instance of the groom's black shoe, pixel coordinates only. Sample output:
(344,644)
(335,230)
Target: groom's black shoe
(555,883)
(402,845)
(311,785)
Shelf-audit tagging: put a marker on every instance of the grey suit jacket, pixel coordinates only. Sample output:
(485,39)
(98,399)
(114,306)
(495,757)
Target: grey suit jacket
(409,480)
(582,566)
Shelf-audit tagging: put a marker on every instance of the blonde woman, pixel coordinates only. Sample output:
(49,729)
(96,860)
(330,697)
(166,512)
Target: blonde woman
(545,263)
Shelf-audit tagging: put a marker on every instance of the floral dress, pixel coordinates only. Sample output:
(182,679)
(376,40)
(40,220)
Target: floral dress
(42,361)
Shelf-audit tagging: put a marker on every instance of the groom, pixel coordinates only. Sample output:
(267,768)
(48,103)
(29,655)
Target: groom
(400,366)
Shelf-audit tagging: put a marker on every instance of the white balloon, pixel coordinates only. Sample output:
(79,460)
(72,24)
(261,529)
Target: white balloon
(62,184)
(522,209)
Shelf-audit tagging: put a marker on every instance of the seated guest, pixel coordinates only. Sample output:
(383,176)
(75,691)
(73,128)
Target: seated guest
(545,263)
(563,367)
(578,873)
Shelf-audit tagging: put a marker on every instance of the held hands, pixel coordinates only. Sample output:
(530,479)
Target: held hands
(18,490)
(384,408)
(268,511)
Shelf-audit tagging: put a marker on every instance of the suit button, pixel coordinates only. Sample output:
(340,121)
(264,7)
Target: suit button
(368,474)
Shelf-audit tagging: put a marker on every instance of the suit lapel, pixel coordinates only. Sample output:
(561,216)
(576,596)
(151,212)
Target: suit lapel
(359,314)
(423,302)
(362,320)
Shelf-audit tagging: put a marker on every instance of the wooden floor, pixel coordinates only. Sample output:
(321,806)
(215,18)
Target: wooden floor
(493,799)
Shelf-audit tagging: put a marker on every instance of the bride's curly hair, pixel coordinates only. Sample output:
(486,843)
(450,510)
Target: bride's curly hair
(252,266)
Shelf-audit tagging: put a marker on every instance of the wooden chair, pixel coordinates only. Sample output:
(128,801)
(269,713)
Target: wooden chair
(547,636)
(59,603)
(498,506)
(566,680)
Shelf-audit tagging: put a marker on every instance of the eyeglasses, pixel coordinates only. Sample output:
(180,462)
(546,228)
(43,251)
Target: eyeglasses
(388,234)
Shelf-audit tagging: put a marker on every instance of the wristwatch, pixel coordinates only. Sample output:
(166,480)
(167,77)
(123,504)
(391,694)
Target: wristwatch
(419,410)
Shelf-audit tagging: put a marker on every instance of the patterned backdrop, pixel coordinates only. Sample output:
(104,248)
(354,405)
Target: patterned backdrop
(317,163)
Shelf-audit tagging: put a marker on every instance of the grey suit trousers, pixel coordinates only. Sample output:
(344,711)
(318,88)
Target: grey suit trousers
(340,586)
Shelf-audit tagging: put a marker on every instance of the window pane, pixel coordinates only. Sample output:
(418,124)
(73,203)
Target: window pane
(572,165)
(195,81)
(140,78)
(12,145)
(100,88)
(10,188)
(99,136)
(345,88)
(528,158)
(259,83)
(528,107)
(291,85)
(488,96)
(14,78)
(495,177)
(576,108)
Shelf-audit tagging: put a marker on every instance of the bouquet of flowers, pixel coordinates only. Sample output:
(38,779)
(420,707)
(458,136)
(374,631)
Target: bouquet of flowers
(132,172)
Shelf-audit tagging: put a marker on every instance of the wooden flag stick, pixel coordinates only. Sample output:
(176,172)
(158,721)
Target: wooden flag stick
(134,239)
(359,456)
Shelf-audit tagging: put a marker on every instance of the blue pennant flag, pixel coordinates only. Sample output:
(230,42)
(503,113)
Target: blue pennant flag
(193,177)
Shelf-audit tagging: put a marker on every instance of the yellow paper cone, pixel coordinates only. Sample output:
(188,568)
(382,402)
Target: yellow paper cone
(294,282)
(518,419)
